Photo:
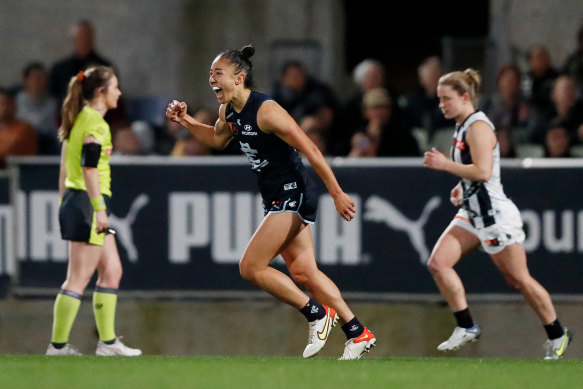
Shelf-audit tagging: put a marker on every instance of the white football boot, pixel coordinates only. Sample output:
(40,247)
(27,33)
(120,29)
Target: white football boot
(354,348)
(116,349)
(460,337)
(555,348)
(318,332)
(66,350)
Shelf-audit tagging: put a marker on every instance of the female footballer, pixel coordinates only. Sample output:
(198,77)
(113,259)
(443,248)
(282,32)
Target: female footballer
(269,138)
(486,217)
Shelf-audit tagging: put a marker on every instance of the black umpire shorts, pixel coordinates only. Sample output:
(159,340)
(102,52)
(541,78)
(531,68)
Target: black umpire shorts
(77,218)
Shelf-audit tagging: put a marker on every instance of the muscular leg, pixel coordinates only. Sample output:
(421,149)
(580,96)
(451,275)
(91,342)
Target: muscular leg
(512,264)
(272,236)
(451,246)
(301,262)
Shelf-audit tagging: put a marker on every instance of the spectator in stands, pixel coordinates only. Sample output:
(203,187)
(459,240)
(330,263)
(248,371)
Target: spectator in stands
(506,107)
(557,140)
(507,146)
(367,75)
(573,66)
(296,90)
(387,135)
(188,145)
(168,136)
(566,107)
(313,127)
(125,141)
(540,79)
(84,55)
(16,137)
(37,107)
(421,106)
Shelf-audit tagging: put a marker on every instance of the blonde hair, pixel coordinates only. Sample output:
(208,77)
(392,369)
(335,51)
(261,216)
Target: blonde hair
(82,88)
(468,81)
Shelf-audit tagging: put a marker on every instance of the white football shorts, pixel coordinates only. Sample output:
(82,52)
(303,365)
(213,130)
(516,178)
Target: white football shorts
(506,231)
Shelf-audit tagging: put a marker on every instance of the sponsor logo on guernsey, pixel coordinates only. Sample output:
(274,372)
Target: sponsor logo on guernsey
(229,115)
(459,144)
(248,130)
(109,151)
(233,127)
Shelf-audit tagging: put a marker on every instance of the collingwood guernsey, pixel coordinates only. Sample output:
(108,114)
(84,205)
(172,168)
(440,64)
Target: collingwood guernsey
(482,200)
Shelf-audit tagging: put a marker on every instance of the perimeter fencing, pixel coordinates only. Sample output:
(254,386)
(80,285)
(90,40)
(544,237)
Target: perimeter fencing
(182,226)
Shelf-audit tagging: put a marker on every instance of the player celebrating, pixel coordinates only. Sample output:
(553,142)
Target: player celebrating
(487,217)
(269,137)
(84,189)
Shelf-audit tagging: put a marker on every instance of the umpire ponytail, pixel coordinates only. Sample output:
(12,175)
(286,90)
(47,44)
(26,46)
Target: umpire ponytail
(82,88)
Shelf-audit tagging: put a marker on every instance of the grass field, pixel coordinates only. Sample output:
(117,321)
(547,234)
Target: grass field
(30,372)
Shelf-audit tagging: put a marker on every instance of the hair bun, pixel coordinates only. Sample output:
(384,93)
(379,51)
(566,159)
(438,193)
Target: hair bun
(248,51)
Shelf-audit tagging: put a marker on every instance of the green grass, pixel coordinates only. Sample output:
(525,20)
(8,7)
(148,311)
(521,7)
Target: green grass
(30,372)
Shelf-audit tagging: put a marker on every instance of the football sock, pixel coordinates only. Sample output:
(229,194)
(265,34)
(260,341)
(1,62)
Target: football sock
(353,328)
(313,310)
(104,307)
(554,330)
(64,313)
(464,319)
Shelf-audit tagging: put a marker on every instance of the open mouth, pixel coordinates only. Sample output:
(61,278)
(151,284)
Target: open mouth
(216,89)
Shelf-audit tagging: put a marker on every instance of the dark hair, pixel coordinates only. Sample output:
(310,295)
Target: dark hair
(8,93)
(32,66)
(241,62)
(509,68)
(292,63)
(82,88)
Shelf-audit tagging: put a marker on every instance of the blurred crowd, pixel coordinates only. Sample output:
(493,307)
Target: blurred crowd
(537,109)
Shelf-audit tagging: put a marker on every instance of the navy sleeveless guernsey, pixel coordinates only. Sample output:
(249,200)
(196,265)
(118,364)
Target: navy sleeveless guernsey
(283,182)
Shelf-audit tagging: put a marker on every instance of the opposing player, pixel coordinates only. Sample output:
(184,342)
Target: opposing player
(84,189)
(269,137)
(487,217)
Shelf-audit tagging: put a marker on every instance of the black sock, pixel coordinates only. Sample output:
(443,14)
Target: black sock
(554,330)
(58,346)
(353,328)
(464,319)
(109,341)
(313,310)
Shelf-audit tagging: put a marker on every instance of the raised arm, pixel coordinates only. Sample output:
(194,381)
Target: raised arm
(271,117)
(217,137)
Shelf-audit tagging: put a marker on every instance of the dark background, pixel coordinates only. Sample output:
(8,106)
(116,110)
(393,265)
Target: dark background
(402,34)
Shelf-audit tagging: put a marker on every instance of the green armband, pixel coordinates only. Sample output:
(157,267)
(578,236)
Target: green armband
(98,203)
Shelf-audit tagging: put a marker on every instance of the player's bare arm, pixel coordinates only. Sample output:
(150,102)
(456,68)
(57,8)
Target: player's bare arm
(216,137)
(481,141)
